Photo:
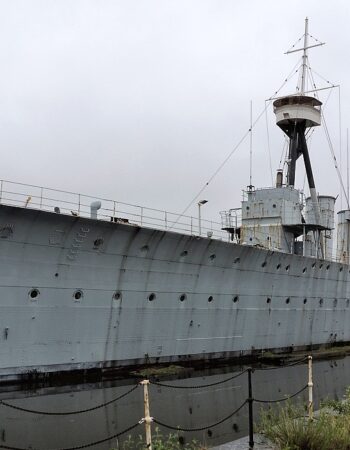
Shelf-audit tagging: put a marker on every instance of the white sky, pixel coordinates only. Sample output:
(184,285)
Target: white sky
(141,101)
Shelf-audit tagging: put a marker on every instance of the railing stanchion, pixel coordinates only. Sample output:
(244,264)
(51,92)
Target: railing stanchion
(79,204)
(166,219)
(147,419)
(250,405)
(310,386)
(41,198)
(1,185)
(113,210)
(141,215)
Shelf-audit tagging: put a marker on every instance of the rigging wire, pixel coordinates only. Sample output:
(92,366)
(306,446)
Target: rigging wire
(284,148)
(334,159)
(297,42)
(313,37)
(291,74)
(268,144)
(340,151)
(243,138)
(323,78)
(338,169)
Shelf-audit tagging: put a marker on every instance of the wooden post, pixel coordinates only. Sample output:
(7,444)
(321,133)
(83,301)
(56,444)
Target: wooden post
(250,405)
(310,385)
(147,418)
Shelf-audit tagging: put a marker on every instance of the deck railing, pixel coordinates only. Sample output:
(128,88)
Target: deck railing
(70,203)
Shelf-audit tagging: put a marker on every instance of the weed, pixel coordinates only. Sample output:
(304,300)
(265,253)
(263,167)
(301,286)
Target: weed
(289,429)
(173,441)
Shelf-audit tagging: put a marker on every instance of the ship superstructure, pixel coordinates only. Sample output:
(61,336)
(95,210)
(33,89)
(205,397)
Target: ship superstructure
(100,285)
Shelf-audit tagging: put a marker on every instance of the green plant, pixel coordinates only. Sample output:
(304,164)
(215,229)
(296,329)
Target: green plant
(173,441)
(289,429)
(339,406)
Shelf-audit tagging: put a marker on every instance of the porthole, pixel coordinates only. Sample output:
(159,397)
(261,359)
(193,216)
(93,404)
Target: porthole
(268,300)
(56,274)
(321,301)
(78,295)
(247,208)
(274,206)
(263,264)
(320,266)
(182,297)
(278,266)
(184,253)
(313,265)
(212,257)
(304,269)
(335,301)
(347,303)
(117,295)
(327,266)
(210,298)
(287,267)
(34,293)
(98,242)
(236,260)
(287,300)
(235,299)
(341,269)
(305,301)
(144,250)
(152,297)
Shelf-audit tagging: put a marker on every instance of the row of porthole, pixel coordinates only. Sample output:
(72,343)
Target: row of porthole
(183,297)
(304,269)
(237,260)
(78,294)
(335,301)
(34,293)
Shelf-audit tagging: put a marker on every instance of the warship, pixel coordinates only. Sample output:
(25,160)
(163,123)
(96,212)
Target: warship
(89,284)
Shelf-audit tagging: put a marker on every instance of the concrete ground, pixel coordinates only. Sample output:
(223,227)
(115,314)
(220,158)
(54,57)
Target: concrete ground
(260,443)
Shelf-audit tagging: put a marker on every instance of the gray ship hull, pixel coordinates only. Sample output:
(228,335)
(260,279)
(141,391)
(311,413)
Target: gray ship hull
(79,293)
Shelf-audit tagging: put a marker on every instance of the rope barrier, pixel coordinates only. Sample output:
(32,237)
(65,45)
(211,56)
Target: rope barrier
(79,447)
(281,399)
(170,427)
(68,413)
(198,386)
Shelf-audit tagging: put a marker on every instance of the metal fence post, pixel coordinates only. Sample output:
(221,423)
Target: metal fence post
(147,418)
(310,385)
(250,405)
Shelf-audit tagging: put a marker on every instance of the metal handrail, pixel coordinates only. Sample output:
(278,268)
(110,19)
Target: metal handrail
(42,198)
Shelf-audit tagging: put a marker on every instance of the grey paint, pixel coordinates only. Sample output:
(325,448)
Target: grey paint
(55,331)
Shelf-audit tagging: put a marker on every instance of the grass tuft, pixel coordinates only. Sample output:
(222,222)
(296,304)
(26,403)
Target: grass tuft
(173,441)
(289,429)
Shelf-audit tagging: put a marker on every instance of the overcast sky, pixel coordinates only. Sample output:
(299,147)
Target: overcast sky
(141,101)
